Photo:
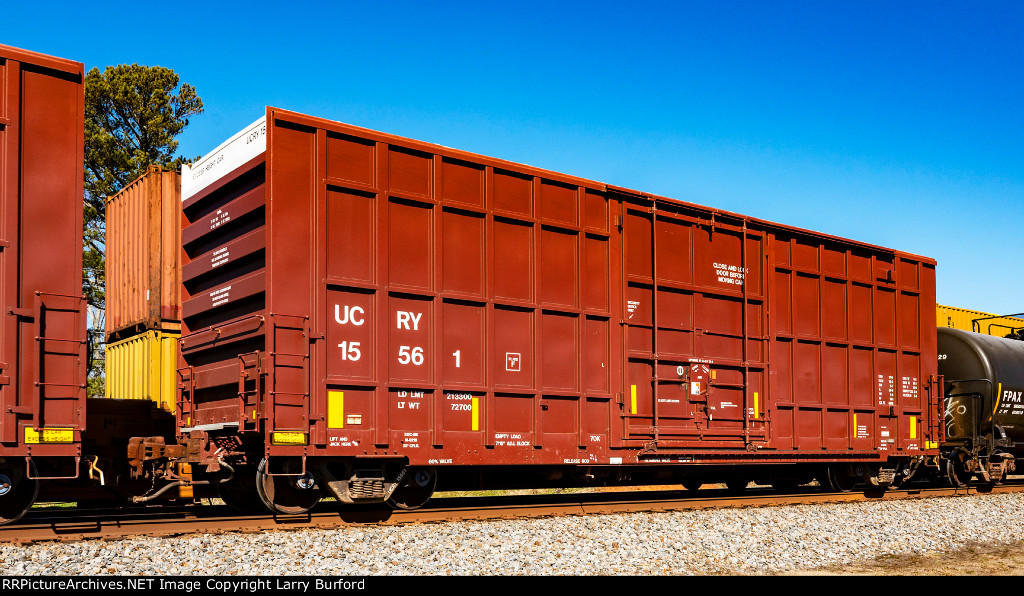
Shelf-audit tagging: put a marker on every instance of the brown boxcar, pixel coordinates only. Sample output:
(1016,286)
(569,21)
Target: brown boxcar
(42,313)
(372,315)
(143,256)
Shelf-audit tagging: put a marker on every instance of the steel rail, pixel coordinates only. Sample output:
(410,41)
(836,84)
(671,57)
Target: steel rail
(73,525)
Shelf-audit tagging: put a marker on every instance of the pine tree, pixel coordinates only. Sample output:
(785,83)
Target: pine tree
(132,115)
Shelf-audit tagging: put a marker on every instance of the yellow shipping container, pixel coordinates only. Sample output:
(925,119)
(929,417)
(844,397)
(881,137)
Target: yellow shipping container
(961,318)
(144,367)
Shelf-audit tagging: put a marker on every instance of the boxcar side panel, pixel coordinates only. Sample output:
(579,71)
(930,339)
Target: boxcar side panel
(224,282)
(851,346)
(451,318)
(42,354)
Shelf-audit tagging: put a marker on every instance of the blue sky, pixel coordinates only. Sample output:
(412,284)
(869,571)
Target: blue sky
(896,123)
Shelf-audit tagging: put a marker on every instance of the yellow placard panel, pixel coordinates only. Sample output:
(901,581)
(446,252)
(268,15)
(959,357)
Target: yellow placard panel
(49,435)
(288,438)
(335,409)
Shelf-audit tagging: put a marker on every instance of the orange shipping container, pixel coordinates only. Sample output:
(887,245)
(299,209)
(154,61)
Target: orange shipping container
(143,256)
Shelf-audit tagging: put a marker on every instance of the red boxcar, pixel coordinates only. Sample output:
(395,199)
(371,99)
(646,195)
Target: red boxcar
(367,314)
(42,314)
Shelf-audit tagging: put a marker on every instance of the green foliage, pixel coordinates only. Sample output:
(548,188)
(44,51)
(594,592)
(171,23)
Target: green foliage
(132,115)
(94,386)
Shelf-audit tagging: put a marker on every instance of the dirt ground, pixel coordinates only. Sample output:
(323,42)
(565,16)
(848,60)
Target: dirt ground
(979,560)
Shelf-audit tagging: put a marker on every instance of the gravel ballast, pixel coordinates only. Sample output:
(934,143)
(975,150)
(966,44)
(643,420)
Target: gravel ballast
(764,540)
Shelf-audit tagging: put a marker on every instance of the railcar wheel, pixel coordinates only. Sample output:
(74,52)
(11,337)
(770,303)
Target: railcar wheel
(18,493)
(240,492)
(838,479)
(415,489)
(956,472)
(289,494)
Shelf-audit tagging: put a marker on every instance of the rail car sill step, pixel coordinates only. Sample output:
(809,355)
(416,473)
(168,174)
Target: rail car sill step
(209,427)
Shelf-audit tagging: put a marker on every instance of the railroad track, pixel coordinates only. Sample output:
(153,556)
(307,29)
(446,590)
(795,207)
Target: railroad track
(71,524)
